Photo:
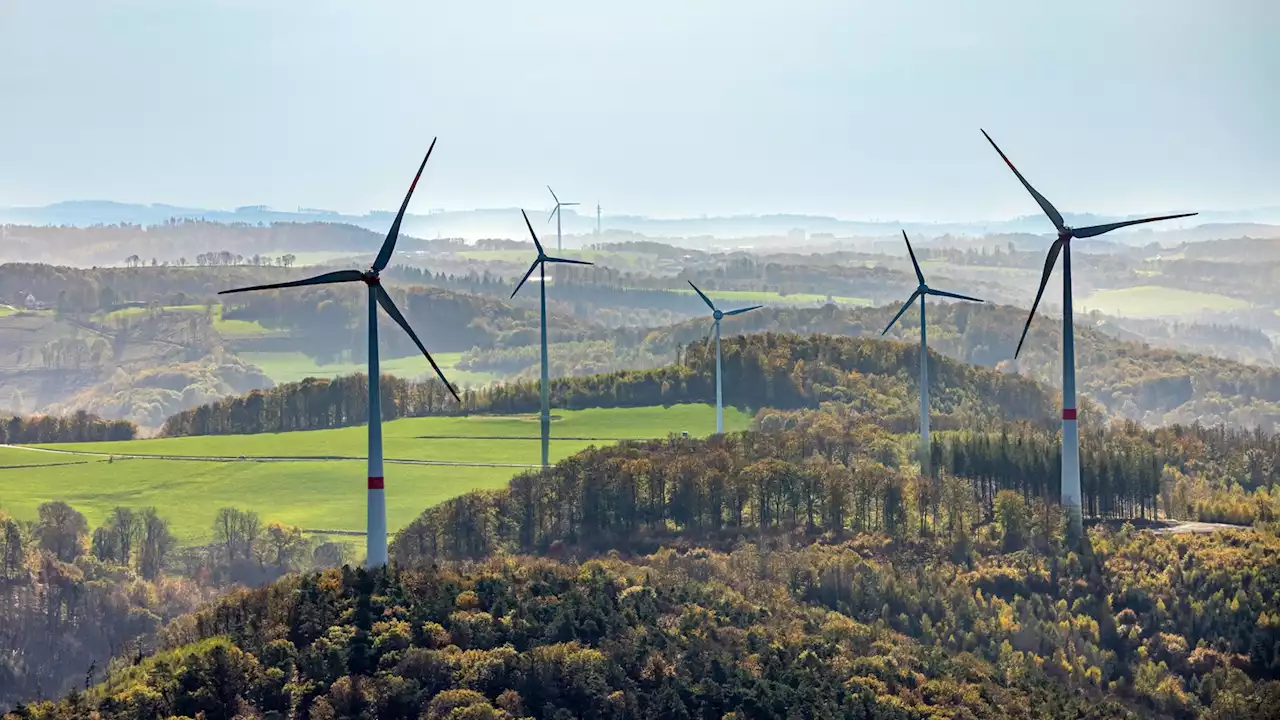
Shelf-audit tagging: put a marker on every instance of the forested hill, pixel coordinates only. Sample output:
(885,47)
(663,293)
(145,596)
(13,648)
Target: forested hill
(871,378)
(1142,626)
(1130,380)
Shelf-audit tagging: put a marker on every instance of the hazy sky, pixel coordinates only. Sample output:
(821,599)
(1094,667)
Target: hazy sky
(865,110)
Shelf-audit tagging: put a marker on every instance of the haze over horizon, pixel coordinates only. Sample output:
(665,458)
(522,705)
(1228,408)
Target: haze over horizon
(848,110)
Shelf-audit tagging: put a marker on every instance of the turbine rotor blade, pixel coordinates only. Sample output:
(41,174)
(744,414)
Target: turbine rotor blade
(739,311)
(957,296)
(702,295)
(1044,279)
(385,301)
(339,276)
(1043,202)
(566,260)
(554,210)
(388,245)
(916,265)
(1095,230)
(519,285)
(568,204)
(533,234)
(905,305)
(710,334)
(553,194)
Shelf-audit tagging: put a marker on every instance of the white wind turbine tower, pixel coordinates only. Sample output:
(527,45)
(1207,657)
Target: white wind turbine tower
(540,264)
(1071,497)
(555,213)
(376,530)
(921,291)
(717,315)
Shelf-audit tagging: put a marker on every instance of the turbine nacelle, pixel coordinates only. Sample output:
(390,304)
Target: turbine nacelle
(717,315)
(372,278)
(1065,233)
(922,289)
(543,258)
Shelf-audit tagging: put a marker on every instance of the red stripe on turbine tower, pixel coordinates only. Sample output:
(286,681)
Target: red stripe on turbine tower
(375,483)
(1068,413)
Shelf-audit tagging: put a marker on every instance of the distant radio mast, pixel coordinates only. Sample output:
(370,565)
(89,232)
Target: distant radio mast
(597,218)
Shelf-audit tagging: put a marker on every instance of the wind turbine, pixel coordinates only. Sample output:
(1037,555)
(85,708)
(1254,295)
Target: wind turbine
(555,213)
(540,264)
(1070,431)
(921,291)
(376,530)
(717,314)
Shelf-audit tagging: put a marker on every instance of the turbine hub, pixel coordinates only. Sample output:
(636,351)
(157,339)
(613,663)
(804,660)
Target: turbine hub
(1065,234)
(717,314)
(371,278)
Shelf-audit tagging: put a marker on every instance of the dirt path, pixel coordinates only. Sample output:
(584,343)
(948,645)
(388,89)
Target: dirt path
(1179,527)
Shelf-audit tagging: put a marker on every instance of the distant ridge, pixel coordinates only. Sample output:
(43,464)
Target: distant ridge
(505,222)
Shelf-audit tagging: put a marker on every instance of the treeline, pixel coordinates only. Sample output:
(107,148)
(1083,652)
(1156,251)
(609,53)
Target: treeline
(1136,626)
(871,377)
(1153,386)
(101,289)
(76,427)
(72,599)
(819,473)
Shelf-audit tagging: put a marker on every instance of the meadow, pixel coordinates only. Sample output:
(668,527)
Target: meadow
(230,329)
(1154,301)
(294,366)
(319,495)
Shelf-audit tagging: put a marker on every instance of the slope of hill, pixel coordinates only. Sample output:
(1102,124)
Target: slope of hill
(868,377)
(863,630)
(1129,380)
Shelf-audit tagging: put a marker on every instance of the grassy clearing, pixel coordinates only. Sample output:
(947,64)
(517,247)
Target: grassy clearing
(227,328)
(321,495)
(6,311)
(1157,301)
(294,366)
(311,495)
(460,439)
(750,296)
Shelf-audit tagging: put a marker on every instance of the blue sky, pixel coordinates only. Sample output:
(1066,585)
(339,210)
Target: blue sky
(666,108)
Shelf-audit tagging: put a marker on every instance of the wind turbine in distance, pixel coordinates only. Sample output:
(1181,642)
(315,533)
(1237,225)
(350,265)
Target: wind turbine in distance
(556,214)
(540,264)
(921,291)
(376,530)
(1070,431)
(717,314)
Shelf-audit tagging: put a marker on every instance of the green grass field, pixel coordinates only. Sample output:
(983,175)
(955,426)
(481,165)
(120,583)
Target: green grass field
(17,457)
(752,296)
(319,495)
(1157,301)
(294,366)
(311,495)
(230,329)
(6,311)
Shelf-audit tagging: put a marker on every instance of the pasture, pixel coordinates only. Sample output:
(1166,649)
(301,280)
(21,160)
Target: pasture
(319,495)
(294,366)
(1155,301)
